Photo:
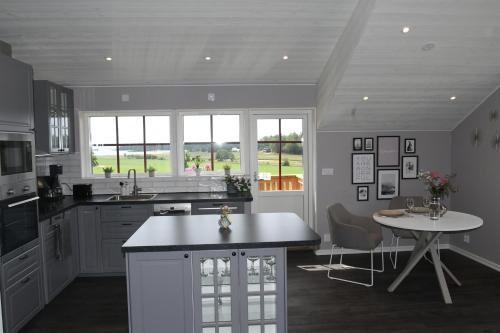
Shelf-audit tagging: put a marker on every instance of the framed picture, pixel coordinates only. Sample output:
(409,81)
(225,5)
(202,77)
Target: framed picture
(388,151)
(363,168)
(357,144)
(362,193)
(387,184)
(410,167)
(410,146)
(368,143)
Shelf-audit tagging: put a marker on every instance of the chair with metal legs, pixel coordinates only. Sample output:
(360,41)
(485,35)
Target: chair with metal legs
(397,234)
(353,232)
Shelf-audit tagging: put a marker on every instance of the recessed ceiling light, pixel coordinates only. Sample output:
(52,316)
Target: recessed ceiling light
(285,57)
(405,30)
(109,58)
(207,58)
(452,98)
(365,98)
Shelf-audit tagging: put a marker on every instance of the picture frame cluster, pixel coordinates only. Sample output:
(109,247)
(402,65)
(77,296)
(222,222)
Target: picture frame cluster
(392,166)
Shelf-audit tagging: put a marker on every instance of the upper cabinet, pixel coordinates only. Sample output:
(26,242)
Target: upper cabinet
(54,118)
(16,95)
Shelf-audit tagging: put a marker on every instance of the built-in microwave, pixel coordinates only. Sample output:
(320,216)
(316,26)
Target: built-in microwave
(16,157)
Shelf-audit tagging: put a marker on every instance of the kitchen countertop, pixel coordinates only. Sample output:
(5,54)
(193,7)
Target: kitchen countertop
(201,232)
(49,209)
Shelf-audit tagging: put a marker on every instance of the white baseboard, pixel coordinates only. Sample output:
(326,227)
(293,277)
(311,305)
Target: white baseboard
(402,248)
(476,258)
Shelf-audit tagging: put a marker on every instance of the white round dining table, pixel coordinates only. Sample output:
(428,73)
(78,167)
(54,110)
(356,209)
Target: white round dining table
(426,233)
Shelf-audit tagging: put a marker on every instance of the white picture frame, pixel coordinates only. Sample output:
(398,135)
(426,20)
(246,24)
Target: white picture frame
(363,168)
(387,184)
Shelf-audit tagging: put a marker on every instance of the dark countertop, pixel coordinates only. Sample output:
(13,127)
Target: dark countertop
(201,232)
(49,209)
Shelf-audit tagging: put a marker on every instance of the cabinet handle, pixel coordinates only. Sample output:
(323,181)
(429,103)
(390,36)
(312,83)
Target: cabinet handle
(243,253)
(234,254)
(24,257)
(126,223)
(126,207)
(26,280)
(215,208)
(186,255)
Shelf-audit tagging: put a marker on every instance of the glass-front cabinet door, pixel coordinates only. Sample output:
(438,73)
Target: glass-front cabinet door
(262,279)
(64,120)
(216,291)
(54,120)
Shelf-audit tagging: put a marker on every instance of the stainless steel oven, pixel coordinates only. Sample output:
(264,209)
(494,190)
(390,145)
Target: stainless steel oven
(18,222)
(16,157)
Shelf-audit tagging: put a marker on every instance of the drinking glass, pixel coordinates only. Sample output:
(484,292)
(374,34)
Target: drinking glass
(426,202)
(410,203)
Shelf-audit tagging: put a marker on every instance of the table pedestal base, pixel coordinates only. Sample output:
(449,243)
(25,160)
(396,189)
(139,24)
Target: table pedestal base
(427,242)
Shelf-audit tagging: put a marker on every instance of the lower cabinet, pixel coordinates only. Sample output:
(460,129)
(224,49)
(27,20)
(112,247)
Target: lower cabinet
(89,235)
(113,259)
(220,291)
(23,300)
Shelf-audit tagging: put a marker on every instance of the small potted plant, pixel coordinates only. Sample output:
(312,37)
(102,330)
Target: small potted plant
(151,171)
(107,171)
(227,169)
(197,160)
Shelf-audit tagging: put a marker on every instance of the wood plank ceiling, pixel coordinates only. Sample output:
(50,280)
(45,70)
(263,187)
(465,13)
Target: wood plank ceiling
(166,41)
(408,88)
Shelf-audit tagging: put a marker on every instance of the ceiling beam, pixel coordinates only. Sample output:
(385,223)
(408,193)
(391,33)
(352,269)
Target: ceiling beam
(339,59)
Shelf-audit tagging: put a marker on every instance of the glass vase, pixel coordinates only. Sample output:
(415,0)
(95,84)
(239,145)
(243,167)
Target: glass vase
(436,208)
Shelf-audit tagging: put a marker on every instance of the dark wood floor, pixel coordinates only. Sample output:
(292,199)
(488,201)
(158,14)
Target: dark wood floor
(316,304)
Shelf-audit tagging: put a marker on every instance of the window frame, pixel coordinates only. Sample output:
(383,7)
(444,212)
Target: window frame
(85,145)
(243,140)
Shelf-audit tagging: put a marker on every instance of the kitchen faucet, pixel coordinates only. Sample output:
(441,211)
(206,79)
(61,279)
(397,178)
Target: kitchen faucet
(135,189)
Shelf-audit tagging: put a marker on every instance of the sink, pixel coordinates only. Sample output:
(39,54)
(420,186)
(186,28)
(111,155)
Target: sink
(140,197)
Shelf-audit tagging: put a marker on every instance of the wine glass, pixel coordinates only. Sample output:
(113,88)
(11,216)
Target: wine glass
(252,268)
(410,203)
(426,202)
(203,260)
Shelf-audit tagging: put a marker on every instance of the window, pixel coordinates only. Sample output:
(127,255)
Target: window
(130,142)
(215,139)
(280,154)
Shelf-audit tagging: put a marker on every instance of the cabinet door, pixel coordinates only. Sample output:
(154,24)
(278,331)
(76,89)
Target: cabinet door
(23,300)
(216,301)
(54,119)
(89,234)
(113,259)
(72,249)
(64,119)
(160,292)
(16,95)
(263,293)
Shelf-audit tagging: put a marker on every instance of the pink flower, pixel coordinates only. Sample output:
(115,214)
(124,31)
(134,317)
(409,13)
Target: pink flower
(435,174)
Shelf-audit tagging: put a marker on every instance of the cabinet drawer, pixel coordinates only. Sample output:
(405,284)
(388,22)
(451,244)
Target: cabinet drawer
(200,208)
(119,230)
(128,213)
(19,264)
(23,300)
(113,260)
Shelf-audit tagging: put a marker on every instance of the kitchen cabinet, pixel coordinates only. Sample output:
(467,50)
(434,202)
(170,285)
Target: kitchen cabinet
(118,223)
(16,95)
(89,235)
(162,292)
(237,291)
(22,287)
(54,118)
(59,253)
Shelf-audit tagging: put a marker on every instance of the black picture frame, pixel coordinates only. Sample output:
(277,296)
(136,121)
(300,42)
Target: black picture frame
(396,183)
(367,146)
(369,181)
(359,191)
(388,151)
(404,172)
(412,142)
(357,144)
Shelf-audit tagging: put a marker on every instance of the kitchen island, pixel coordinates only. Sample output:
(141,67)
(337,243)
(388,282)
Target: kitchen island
(186,275)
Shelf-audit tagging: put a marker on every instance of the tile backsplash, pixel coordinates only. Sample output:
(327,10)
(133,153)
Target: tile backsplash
(72,174)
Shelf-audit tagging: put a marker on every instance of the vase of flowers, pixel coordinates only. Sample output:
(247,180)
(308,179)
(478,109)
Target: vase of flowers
(438,186)
(224,221)
(237,184)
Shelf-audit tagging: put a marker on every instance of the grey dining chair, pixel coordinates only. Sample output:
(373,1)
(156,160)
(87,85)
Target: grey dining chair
(353,232)
(399,202)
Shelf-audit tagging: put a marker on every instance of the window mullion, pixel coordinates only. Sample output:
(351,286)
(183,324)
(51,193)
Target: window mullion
(279,155)
(212,142)
(144,141)
(117,147)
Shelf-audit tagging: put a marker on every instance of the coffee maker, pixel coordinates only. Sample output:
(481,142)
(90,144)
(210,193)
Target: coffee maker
(49,187)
